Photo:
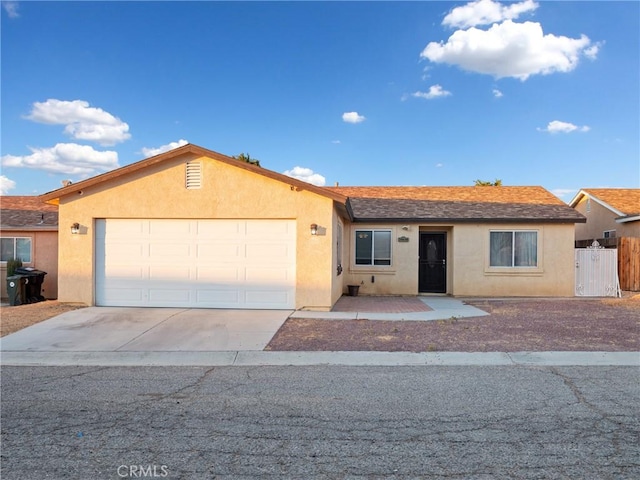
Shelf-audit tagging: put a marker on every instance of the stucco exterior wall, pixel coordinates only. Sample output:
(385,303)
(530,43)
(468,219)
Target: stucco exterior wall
(468,271)
(399,278)
(44,253)
(227,192)
(554,276)
(599,219)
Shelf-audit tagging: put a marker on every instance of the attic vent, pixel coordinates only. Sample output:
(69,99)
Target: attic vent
(194,175)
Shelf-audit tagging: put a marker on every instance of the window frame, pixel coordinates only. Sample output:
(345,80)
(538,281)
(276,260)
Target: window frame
(15,248)
(373,258)
(513,267)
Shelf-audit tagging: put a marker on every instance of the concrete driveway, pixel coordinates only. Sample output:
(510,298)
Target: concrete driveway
(119,329)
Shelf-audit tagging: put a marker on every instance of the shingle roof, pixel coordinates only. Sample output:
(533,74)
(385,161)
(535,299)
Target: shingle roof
(625,200)
(460,204)
(27,213)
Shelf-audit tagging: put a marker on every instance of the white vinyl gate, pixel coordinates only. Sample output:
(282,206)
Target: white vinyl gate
(597,272)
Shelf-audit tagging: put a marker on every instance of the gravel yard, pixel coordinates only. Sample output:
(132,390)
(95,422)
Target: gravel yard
(574,324)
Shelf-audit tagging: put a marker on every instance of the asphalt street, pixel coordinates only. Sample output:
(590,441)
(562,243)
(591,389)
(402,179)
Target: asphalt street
(453,422)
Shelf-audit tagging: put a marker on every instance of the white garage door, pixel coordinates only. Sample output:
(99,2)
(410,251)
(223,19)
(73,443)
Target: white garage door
(196,263)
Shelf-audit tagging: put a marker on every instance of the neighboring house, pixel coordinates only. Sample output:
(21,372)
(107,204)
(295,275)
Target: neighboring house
(194,228)
(610,213)
(29,231)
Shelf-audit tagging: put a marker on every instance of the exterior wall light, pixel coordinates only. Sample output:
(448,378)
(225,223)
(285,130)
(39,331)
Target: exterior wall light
(314,229)
(75,229)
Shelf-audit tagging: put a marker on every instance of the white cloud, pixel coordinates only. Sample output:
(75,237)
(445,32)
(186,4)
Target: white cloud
(353,117)
(11,8)
(306,175)
(486,12)
(82,121)
(6,184)
(510,49)
(150,152)
(335,142)
(439,165)
(497,93)
(592,52)
(556,126)
(564,193)
(435,91)
(69,158)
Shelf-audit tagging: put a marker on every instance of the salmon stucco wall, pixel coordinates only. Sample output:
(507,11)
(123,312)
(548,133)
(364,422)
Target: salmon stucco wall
(44,251)
(227,192)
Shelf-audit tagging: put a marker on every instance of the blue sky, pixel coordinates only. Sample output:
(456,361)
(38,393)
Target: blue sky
(360,93)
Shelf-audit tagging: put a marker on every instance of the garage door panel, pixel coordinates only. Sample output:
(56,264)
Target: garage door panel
(170,228)
(226,298)
(265,297)
(131,295)
(124,250)
(269,276)
(169,296)
(126,229)
(268,252)
(171,274)
(164,251)
(220,229)
(269,228)
(196,263)
(221,274)
(119,273)
(215,252)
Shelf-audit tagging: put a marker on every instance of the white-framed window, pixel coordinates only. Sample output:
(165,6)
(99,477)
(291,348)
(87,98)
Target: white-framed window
(15,247)
(513,248)
(609,234)
(373,247)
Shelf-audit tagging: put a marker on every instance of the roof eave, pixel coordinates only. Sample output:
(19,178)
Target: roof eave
(54,196)
(628,218)
(29,228)
(466,220)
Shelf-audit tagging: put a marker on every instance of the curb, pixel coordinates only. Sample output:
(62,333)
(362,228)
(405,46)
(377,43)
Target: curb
(262,358)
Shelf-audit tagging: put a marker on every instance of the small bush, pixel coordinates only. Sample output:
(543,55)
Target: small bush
(12,265)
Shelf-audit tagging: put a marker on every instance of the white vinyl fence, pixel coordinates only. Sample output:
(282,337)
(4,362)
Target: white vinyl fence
(597,272)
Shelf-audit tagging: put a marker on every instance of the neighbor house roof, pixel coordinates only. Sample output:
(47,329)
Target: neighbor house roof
(624,202)
(459,204)
(27,213)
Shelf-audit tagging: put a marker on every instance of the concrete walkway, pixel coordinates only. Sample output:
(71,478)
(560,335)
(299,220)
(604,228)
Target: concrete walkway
(442,308)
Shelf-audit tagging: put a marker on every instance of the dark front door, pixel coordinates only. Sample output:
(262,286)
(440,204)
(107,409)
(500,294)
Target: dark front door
(433,263)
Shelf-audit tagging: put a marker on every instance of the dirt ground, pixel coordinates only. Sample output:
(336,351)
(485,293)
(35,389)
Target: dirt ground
(511,326)
(16,318)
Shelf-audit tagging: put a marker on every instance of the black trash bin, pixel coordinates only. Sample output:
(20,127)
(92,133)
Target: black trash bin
(33,284)
(15,289)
